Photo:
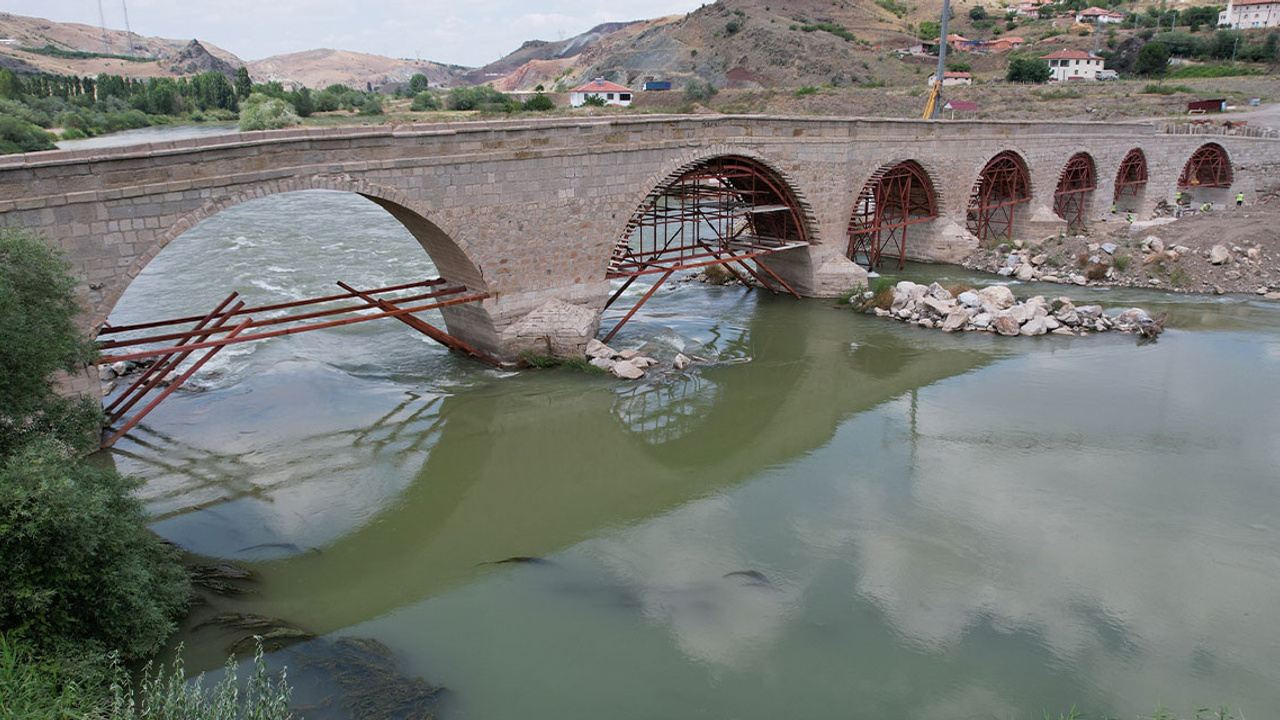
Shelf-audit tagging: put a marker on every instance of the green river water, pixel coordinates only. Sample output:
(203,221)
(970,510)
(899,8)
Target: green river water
(947,526)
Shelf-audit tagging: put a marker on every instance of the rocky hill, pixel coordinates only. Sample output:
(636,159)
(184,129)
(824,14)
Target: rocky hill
(324,67)
(153,56)
(195,59)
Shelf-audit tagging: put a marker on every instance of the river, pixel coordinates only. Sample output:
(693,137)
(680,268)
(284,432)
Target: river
(839,517)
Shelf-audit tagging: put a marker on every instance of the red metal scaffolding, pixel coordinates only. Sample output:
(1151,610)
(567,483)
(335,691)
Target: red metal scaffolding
(1072,194)
(1003,185)
(1208,167)
(230,323)
(724,211)
(895,198)
(1132,175)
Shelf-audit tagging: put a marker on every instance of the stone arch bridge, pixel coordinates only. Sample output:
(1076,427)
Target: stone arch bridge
(532,211)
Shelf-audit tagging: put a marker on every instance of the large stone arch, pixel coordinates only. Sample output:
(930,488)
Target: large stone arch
(1207,176)
(1074,190)
(997,218)
(926,200)
(451,257)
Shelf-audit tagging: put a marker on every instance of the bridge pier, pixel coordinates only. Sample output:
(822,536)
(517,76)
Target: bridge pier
(817,271)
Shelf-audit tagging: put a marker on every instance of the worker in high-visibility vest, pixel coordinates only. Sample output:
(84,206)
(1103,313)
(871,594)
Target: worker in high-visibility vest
(1239,199)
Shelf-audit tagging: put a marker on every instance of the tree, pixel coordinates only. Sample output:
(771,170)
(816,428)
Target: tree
(1027,70)
(372,106)
(1153,59)
(244,86)
(301,101)
(10,85)
(261,112)
(474,98)
(977,12)
(699,91)
(39,336)
(418,83)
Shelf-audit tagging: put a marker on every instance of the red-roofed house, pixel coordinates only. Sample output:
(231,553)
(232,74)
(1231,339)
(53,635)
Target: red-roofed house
(610,93)
(951,78)
(1068,65)
(1251,14)
(1099,15)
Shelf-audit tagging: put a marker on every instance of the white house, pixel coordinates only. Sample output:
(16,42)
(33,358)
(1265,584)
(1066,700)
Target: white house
(950,78)
(1099,15)
(1073,65)
(1251,14)
(611,93)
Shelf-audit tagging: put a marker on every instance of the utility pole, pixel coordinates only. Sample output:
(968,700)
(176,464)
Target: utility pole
(942,56)
(128,32)
(102,23)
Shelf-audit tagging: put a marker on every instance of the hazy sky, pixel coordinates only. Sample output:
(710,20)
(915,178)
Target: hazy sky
(466,32)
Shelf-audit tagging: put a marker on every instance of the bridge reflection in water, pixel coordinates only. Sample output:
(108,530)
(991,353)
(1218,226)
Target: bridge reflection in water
(524,465)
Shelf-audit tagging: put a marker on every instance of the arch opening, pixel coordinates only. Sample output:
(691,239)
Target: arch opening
(998,203)
(895,198)
(1075,189)
(284,260)
(1131,183)
(728,211)
(1206,177)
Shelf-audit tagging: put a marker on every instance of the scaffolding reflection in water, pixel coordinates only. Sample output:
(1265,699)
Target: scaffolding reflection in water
(728,211)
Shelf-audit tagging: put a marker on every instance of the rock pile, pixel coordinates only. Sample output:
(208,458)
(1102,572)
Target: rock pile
(627,364)
(994,309)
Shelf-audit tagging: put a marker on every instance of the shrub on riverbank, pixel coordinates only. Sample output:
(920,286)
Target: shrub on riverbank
(263,112)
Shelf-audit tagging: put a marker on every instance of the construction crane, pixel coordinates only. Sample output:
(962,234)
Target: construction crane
(933,106)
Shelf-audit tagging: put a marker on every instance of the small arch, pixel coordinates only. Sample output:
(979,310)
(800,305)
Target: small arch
(1075,188)
(1208,167)
(1131,182)
(895,198)
(999,198)
(708,207)
(1206,178)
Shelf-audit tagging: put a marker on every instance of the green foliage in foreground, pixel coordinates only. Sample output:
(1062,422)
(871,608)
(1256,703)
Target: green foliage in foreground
(33,687)
(424,101)
(263,112)
(80,566)
(38,336)
(21,136)
(539,103)
(476,98)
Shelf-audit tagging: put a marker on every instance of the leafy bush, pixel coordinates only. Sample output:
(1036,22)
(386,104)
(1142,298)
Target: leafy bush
(540,103)
(20,136)
(806,90)
(372,106)
(80,565)
(39,688)
(594,101)
(472,98)
(699,91)
(261,112)
(1027,70)
(424,101)
(1153,59)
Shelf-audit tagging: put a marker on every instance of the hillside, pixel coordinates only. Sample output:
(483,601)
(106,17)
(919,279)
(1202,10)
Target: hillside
(323,67)
(155,55)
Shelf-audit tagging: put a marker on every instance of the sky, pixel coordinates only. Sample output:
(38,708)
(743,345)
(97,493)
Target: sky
(463,32)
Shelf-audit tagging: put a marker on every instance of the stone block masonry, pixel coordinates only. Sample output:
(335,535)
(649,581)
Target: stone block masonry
(530,210)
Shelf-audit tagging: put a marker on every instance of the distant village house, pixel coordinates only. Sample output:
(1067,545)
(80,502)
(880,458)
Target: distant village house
(950,78)
(1251,14)
(1069,65)
(610,93)
(1099,15)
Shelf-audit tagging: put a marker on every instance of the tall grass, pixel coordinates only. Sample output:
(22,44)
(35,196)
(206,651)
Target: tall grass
(38,689)
(169,695)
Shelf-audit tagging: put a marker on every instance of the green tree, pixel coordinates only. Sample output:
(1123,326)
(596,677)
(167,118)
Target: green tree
(1027,70)
(302,102)
(1153,59)
(372,105)
(10,86)
(261,112)
(325,101)
(419,83)
(244,86)
(38,337)
(424,101)
(977,12)
(699,91)
(474,98)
